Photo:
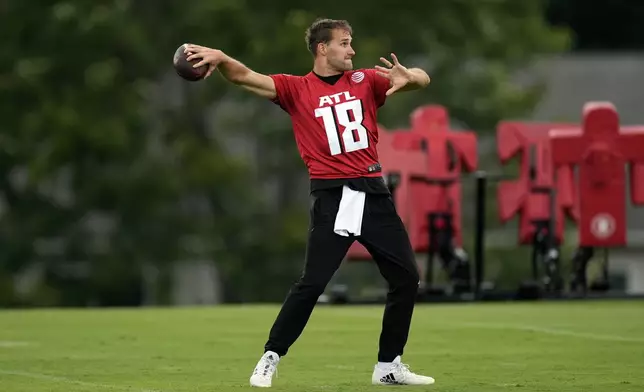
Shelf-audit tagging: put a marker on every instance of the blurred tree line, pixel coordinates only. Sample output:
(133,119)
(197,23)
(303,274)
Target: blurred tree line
(600,25)
(111,165)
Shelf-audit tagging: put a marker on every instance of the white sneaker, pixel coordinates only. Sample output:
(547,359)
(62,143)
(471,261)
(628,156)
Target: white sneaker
(397,373)
(263,374)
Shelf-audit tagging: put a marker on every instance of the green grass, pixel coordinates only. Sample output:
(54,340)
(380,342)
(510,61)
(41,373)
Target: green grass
(559,347)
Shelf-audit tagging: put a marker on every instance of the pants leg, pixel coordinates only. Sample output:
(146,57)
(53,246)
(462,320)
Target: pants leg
(385,237)
(324,254)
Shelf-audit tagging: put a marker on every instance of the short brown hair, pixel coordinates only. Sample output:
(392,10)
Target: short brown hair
(320,32)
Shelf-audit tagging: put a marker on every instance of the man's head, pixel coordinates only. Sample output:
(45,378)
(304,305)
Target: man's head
(330,40)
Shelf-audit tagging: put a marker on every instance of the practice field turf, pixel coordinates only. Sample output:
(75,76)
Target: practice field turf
(563,346)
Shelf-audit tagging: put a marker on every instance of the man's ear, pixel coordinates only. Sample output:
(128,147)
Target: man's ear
(322,48)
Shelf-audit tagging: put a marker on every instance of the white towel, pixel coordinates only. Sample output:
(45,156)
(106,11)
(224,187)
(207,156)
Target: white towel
(349,217)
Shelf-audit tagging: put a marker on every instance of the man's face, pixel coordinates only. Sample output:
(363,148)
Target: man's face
(339,51)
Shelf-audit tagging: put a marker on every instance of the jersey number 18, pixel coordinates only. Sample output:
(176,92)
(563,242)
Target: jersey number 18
(354,135)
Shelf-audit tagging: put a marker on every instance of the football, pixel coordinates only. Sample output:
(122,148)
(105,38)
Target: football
(185,69)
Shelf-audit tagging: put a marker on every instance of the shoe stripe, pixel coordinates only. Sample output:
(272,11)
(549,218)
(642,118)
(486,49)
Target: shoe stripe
(389,379)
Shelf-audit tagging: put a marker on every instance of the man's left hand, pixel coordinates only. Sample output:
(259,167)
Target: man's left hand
(398,75)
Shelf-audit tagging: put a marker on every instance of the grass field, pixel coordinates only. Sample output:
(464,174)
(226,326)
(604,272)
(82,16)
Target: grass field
(566,346)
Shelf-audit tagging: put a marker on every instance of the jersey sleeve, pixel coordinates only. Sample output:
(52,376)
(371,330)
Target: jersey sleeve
(379,86)
(285,86)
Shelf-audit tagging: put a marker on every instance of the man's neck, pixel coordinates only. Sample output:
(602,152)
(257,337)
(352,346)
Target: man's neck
(324,70)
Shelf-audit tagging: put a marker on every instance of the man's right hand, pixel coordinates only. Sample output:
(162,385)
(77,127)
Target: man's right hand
(209,56)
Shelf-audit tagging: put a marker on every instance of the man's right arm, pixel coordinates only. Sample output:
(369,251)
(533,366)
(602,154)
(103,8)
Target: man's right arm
(233,70)
(239,74)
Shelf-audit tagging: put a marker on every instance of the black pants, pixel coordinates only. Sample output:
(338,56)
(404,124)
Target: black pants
(385,237)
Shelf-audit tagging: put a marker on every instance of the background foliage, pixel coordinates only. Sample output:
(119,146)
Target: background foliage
(110,165)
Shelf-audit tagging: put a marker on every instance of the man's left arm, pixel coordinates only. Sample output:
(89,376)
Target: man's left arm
(418,79)
(400,77)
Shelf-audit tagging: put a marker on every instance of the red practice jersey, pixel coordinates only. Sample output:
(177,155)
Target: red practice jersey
(335,126)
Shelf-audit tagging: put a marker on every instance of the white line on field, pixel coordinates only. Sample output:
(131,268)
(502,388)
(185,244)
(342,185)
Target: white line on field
(13,343)
(66,380)
(551,331)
